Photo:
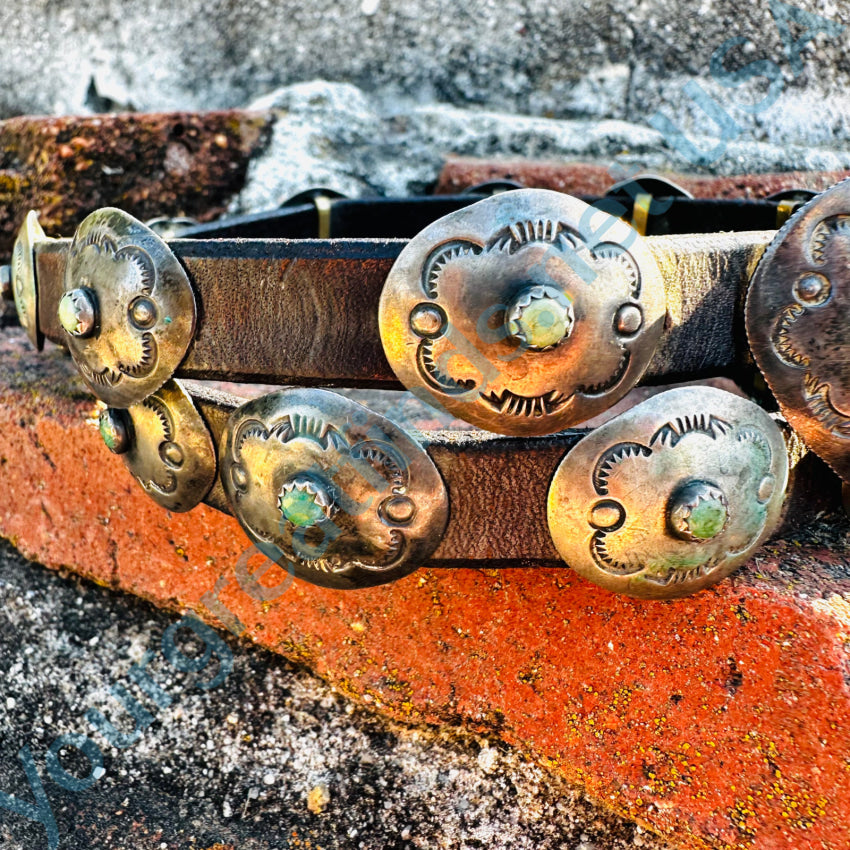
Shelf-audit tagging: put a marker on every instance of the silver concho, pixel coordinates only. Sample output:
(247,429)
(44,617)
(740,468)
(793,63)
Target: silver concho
(670,496)
(24,284)
(798,313)
(326,486)
(128,310)
(166,445)
(525,313)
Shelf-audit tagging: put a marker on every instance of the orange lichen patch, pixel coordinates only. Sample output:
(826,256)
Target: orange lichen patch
(720,720)
(318,798)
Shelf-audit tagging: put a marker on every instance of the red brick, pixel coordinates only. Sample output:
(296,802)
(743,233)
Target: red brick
(585,178)
(720,720)
(149,164)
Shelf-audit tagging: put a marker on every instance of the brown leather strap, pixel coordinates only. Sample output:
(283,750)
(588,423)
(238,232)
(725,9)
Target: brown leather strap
(304,312)
(498,487)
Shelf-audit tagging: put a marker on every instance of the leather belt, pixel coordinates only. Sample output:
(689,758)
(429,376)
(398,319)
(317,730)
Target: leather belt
(524,313)
(247,292)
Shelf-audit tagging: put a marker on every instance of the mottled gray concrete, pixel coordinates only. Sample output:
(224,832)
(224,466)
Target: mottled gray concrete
(250,763)
(337,136)
(571,59)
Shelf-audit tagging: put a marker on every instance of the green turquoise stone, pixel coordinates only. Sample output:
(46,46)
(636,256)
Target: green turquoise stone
(301,508)
(107,431)
(69,316)
(113,431)
(707,519)
(543,322)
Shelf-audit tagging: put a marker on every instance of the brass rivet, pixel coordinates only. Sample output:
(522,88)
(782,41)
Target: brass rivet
(629,319)
(78,312)
(697,511)
(427,320)
(607,514)
(305,502)
(399,509)
(812,289)
(540,317)
(171,454)
(142,313)
(113,429)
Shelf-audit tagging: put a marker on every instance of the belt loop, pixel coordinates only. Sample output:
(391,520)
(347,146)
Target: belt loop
(323,209)
(784,211)
(788,201)
(640,212)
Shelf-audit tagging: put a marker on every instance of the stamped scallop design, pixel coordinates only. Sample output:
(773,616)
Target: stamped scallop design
(525,313)
(128,310)
(672,495)
(166,445)
(798,313)
(325,485)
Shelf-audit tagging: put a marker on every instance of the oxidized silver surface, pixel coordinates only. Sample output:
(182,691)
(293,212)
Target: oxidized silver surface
(798,316)
(24,286)
(525,313)
(128,311)
(166,445)
(337,491)
(670,496)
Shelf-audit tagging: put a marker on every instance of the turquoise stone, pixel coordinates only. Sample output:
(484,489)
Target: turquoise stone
(707,519)
(544,322)
(301,507)
(113,431)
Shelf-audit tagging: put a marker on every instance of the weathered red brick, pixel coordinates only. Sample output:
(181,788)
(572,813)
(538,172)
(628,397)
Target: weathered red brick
(585,178)
(720,720)
(149,164)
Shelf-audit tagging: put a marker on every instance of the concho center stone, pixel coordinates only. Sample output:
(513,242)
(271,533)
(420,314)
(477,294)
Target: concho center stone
(670,496)
(525,313)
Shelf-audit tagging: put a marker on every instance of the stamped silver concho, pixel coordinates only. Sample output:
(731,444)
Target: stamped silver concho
(670,496)
(24,283)
(525,313)
(325,485)
(166,445)
(128,310)
(798,315)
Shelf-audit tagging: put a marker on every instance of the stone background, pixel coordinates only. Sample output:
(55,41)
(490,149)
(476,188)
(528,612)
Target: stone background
(406,82)
(567,59)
